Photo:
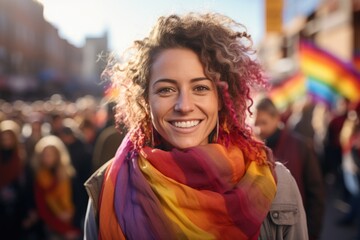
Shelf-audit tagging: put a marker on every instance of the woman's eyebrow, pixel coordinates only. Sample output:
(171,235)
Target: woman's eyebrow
(169,80)
(199,79)
(166,80)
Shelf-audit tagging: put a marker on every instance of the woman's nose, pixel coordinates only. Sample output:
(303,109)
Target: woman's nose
(184,103)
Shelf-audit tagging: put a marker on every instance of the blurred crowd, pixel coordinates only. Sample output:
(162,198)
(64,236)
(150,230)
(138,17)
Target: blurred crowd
(48,149)
(320,145)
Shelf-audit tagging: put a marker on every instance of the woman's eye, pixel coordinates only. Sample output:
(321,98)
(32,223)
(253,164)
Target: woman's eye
(165,91)
(202,88)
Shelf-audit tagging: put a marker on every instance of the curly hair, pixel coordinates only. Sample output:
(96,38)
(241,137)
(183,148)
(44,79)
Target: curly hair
(224,49)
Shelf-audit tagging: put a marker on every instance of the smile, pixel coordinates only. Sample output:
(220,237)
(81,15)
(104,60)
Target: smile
(185,124)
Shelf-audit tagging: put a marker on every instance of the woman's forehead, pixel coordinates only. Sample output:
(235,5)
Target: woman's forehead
(176,61)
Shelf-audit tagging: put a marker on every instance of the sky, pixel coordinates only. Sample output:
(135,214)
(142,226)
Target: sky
(126,21)
(129,20)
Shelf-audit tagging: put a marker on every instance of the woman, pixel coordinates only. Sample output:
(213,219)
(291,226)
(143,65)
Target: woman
(53,190)
(350,142)
(11,179)
(11,154)
(189,167)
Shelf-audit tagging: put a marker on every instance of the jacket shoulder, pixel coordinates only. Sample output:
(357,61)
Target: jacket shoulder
(286,218)
(94,184)
(284,208)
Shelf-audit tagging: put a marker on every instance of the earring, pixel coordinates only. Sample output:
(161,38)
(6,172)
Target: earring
(214,135)
(152,136)
(217,129)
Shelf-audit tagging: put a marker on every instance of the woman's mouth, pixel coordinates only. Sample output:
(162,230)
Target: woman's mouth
(185,124)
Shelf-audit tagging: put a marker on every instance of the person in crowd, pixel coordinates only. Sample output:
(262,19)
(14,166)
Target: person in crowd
(332,147)
(11,153)
(304,124)
(190,167)
(33,226)
(56,122)
(350,142)
(36,122)
(90,132)
(11,182)
(108,140)
(80,157)
(53,190)
(320,121)
(293,151)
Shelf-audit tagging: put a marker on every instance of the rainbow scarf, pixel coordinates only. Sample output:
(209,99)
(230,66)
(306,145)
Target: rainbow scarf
(205,192)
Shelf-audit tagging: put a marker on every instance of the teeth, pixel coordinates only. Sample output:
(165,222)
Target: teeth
(186,124)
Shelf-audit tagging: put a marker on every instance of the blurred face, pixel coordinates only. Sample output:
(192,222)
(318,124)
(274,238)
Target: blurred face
(57,123)
(36,127)
(67,138)
(89,134)
(8,140)
(50,156)
(183,101)
(266,124)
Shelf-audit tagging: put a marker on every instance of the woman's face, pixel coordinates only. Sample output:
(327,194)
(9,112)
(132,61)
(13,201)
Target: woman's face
(266,123)
(8,140)
(50,156)
(183,101)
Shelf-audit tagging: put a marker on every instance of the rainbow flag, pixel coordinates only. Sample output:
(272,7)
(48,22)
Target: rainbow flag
(320,92)
(288,90)
(327,76)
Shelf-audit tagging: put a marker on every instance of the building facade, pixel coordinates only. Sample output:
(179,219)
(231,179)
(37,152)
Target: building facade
(333,25)
(35,61)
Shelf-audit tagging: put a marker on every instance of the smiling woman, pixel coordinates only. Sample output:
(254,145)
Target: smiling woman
(179,97)
(189,167)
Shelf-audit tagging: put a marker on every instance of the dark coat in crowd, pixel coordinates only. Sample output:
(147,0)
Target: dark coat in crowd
(292,150)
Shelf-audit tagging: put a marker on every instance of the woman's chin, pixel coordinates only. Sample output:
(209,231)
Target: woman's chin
(186,143)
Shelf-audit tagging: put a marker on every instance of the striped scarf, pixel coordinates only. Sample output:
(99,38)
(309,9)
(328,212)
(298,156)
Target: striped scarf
(204,192)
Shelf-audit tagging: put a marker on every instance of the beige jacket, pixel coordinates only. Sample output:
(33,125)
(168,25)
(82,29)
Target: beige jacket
(286,219)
